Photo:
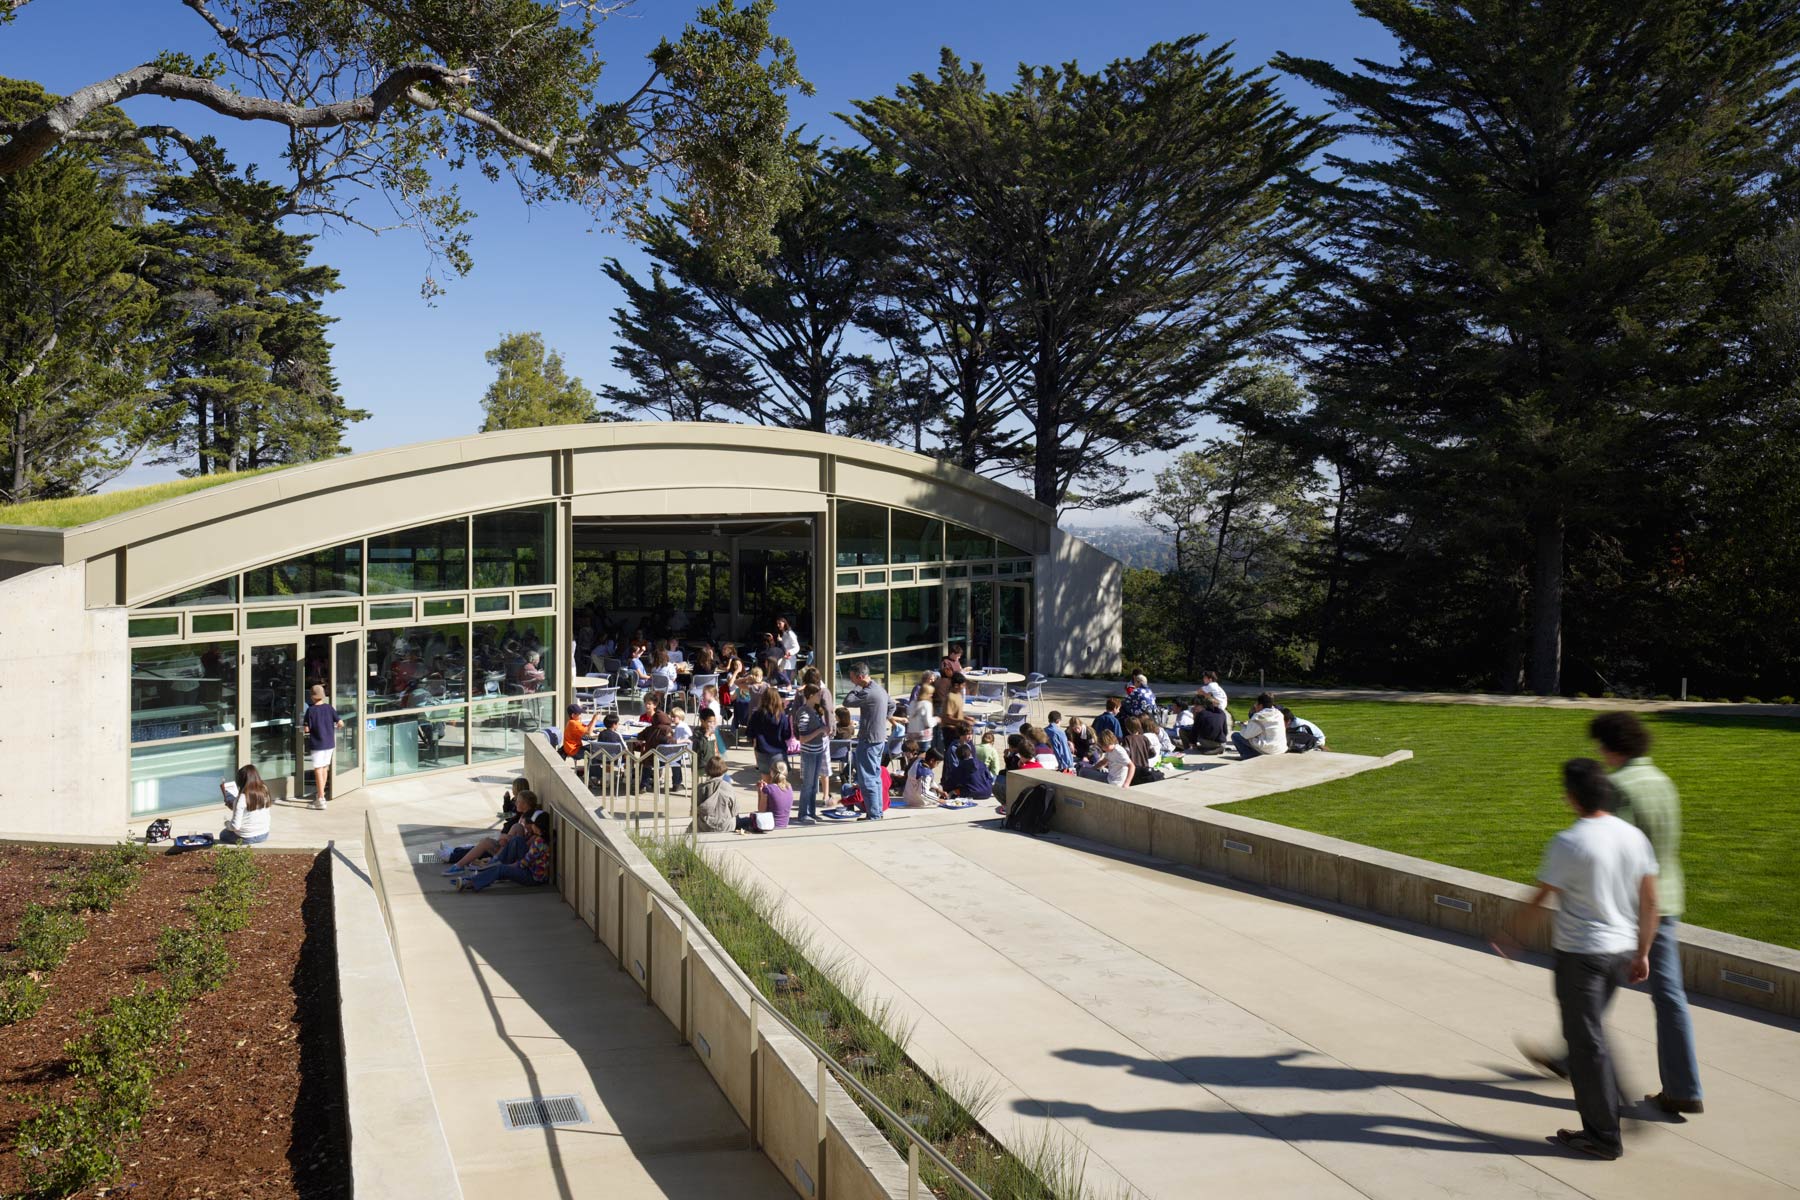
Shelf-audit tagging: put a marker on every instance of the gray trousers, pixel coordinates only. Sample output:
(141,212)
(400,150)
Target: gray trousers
(1585,984)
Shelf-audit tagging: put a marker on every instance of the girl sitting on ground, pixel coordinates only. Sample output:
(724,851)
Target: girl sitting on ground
(772,796)
(989,753)
(248,799)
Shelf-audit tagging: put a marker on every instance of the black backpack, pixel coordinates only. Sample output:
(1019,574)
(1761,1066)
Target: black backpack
(1300,738)
(1031,811)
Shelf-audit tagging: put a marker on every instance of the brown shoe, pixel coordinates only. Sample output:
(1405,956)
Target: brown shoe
(1673,1106)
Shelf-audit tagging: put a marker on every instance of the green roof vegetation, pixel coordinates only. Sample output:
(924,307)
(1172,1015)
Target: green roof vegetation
(80,510)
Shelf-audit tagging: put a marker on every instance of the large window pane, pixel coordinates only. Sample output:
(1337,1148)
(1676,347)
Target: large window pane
(181,691)
(918,616)
(917,538)
(1012,629)
(402,745)
(335,571)
(909,666)
(775,583)
(500,730)
(219,591)
(516,657)
(184,775)
(428,558)
(861,622)
(516,548)
(417,666)
(963,544)
(877,664)
(861,534)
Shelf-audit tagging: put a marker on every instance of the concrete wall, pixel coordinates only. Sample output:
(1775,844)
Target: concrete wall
(63,699)
(1079,601)
(398,1150)
(769,1077)
(1395,885)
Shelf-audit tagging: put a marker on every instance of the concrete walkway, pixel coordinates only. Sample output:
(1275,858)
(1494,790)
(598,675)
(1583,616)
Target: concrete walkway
(512,998)
(1202,1040)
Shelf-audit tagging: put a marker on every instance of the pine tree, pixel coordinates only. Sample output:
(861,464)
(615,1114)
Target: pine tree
(1517,308)
(74,316)
(532,387)
(670,350)
(248,381)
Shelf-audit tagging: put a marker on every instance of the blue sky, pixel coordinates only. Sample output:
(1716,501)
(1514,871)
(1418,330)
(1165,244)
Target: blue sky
(419,369)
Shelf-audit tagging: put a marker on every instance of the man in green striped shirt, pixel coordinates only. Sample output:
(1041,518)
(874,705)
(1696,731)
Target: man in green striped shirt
(1648,799)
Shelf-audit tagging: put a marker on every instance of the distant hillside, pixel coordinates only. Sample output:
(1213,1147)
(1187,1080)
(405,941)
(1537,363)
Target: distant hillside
(1133,545)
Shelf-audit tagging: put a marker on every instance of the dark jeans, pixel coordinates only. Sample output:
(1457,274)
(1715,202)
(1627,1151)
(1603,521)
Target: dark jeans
(1244,747)
(1675,1056)
(491,875)
(1585,984)
(230,837)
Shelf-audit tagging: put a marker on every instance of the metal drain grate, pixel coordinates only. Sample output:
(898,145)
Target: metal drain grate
(539,1111)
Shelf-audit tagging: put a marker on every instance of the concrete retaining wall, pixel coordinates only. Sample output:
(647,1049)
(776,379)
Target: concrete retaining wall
(775,1090)
(64,671)
(1395,885)
(398,1150)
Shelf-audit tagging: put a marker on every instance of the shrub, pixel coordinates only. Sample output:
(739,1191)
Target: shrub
(45,936)
(20,998)
(65,1149)
(192,960)
(106,877)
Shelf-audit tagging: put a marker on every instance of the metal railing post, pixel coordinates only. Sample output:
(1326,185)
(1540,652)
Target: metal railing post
(619,915)
(649,943)
(599,852)
(912,1170)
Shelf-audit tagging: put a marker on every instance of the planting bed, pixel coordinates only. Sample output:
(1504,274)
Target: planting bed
(257,1108)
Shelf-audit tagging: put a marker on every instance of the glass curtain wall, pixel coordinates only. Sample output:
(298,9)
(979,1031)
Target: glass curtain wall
(458,659)
(908,585)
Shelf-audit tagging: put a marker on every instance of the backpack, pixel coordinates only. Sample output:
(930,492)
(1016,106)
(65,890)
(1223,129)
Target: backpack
(1301,739)
(1030,813)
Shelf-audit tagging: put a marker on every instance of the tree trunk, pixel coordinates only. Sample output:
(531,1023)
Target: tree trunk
(16,486)
(1545,669)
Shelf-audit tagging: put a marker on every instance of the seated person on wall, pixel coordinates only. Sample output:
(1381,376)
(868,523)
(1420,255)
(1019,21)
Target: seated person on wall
(717,798)
(1264,733)
(1141,747)
(1113,765)
(1140,701)
(1058,740)
(1081,741)
(1205,727)
(1108,721)
(659,730)
(248,799)
(575,730)
(531,867)
(1209,685)
(507,847)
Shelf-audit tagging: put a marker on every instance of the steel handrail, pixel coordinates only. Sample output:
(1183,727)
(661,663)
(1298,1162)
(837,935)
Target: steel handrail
(676,908)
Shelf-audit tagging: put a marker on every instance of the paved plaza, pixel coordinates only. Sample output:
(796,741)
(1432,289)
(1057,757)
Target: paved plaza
(1201,1039)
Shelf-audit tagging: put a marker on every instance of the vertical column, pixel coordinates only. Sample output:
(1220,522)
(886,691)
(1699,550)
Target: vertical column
(825,595)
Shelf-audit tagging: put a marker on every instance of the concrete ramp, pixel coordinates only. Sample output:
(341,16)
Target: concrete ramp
(1199,1039)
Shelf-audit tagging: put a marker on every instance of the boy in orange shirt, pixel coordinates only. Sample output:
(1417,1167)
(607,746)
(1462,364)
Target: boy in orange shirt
(573,731)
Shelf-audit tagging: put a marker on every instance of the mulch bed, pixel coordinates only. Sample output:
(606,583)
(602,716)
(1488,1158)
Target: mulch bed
(258,1109)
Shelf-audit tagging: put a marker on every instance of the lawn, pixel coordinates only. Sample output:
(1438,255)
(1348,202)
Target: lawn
(80,510)
(1482,792)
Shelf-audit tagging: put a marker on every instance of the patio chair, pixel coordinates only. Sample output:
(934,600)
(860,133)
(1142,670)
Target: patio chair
(1033,688)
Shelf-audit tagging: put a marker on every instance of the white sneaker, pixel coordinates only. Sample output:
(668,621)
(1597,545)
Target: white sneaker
(443,851)
(318,806)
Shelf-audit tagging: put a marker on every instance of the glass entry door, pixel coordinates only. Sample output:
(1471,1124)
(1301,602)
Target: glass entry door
(1012,627)
(346,677)
(272,733)
(981,626)
(956,621)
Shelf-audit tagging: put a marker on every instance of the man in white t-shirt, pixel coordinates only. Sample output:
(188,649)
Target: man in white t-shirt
(1603,873)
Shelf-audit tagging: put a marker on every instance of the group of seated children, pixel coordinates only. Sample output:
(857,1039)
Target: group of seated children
(520,852)
(717,800)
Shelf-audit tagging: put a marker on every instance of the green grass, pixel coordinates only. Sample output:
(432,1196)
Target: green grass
(80,510)
(1483,792)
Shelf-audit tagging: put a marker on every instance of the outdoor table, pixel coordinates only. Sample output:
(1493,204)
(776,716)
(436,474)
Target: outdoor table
(1009,678)
(588,683)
